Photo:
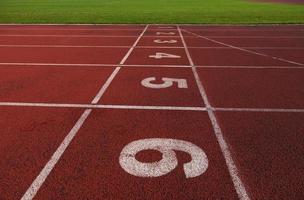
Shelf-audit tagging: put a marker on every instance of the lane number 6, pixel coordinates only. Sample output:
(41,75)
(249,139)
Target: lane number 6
(197,166)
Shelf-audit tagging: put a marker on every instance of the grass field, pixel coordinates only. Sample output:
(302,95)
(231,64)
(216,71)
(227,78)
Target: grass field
(148,11)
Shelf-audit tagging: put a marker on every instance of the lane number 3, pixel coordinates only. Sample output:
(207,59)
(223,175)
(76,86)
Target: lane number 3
(167,82)
(196,167)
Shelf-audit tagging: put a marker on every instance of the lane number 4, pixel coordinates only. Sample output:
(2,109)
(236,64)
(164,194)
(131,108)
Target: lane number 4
(196,167)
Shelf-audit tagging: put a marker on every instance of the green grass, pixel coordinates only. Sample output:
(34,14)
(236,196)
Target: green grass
(148,11)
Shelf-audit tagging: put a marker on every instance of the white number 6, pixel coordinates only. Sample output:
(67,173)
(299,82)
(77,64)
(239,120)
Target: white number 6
(197,166)
(167,82)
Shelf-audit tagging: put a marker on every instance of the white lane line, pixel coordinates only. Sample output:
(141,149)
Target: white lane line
(233,171)
(105,86)
(68,29)
(135,65)
(287,110)
(87,36)
(134,45)
(84,46)
(246,50)
(138,107)
(101,106)
(255,37)
(33,189)
(35,186)
(121,46)
(135,36)
(254,67)
(87,65)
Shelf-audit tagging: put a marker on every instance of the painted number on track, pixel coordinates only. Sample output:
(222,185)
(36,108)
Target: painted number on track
(165,33)
(167,82)
(160,55)
(159,41)
(196,167)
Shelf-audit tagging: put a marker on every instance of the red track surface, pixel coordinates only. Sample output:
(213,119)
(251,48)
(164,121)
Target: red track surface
(228,98)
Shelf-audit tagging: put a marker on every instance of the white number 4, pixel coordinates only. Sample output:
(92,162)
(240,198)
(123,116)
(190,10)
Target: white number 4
(159,55)
(167,82)
(197,166)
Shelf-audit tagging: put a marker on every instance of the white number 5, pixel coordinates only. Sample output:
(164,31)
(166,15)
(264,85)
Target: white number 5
(167,82)
(197,166)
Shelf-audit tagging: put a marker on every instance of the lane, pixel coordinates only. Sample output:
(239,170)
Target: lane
(291,54)
(246,42)
(40,31)
(71,26)
(153,86)
(244,27)
(254,88)
(61,55)
(233,57)
(291,32)
(29,136)
(91,169)
(67,40)
(64,84)
(269,149)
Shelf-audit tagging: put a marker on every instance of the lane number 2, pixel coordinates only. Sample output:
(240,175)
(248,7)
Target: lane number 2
(196,167)
(167,82)
(160,55)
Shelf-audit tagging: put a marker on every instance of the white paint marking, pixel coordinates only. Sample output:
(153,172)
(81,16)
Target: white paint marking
(246,50)
(165,33)
(167,82)
(161,55)
(135,107)
(161,41)
(101,106)
(196,167)
(233,171)
(131,49)
(282,110)
(105,86)
(126,65)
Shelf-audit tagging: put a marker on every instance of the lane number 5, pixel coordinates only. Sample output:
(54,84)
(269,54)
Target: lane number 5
(197,166)
(167,82)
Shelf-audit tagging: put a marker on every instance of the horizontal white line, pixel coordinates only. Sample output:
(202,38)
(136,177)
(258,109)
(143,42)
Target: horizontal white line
(256,37)
(87,36)
(259,109)
(254,67)
(90,65)
(119,46)
(136,107)
(135,36)
(151,25)
(128,65)
(91,106)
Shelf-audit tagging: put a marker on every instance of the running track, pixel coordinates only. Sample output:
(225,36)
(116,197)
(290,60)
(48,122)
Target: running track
(151,112)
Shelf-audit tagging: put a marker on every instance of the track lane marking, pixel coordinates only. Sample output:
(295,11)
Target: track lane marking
(37,183)
(233,170)
(100,106)
(138,107)
(142,46)
(246,50)
(153,65)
